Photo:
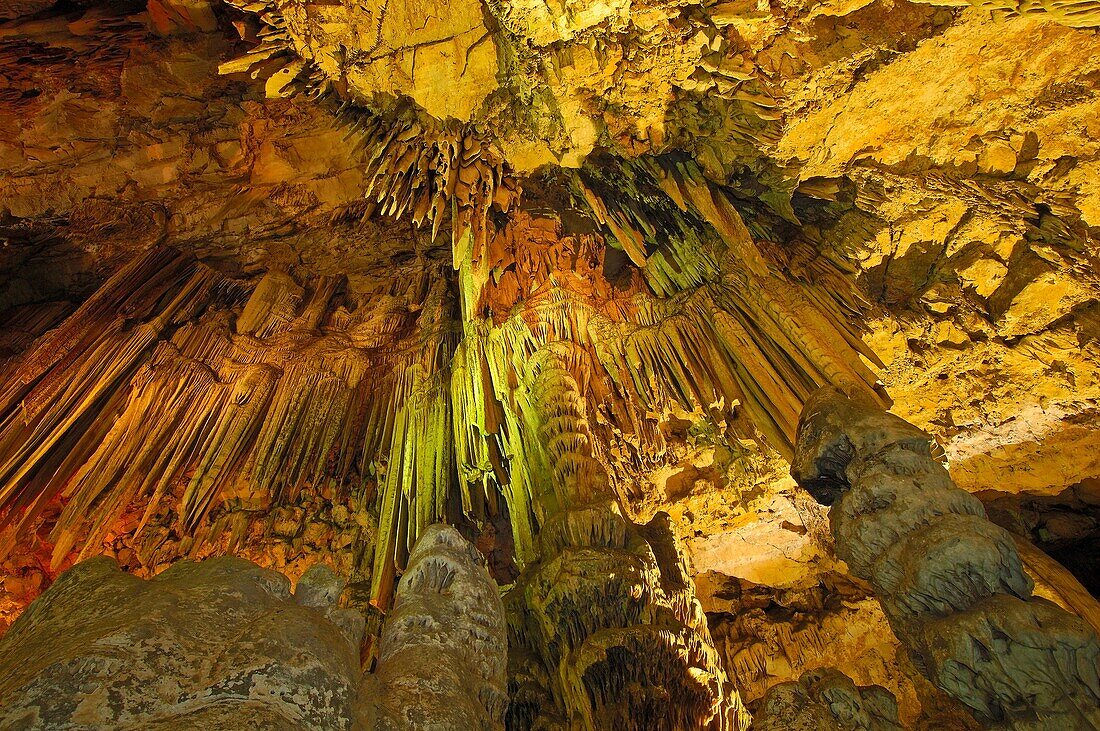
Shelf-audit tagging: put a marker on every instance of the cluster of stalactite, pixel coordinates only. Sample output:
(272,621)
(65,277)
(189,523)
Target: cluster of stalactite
(174,383)
(188,389)
(783,314)
(434,173)
(606,631)
(432,176)
(706,319)
(951,583)
(51,401)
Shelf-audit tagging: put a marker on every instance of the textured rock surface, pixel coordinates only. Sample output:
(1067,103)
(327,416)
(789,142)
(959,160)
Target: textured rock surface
(443,653)
(768,195)
(217,644)
(827,700)
(441,56)
(951,583)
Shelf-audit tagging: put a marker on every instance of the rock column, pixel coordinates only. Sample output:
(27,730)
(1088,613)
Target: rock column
(607,618)
(951,583)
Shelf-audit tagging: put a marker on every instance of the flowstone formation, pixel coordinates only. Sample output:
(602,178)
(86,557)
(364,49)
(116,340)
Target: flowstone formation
(951,583)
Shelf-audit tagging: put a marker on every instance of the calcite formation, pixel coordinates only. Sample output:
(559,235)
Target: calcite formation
(951,583)
(444,648)
(268,387)
(298,280)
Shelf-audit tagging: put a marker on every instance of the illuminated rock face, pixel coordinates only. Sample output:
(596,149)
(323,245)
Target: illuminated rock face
(545,83)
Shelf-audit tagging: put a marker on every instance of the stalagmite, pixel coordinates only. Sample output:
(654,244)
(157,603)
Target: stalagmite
(215,644)
(951,583)
(444,646)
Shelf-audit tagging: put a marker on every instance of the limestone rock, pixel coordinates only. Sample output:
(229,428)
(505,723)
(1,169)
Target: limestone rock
(827,700)
(444,646)
(218,643)
(318,588)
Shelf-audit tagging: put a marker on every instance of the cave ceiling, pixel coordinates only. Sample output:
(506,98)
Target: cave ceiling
(284,278)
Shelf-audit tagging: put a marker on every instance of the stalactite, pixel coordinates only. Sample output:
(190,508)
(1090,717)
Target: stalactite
(431,172)
(174,384)
(785,327)
(951,583)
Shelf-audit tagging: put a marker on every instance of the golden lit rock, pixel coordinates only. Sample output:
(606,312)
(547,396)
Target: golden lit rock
(442,56)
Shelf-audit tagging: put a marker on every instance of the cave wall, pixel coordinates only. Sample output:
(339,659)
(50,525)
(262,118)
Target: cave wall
(806,193)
